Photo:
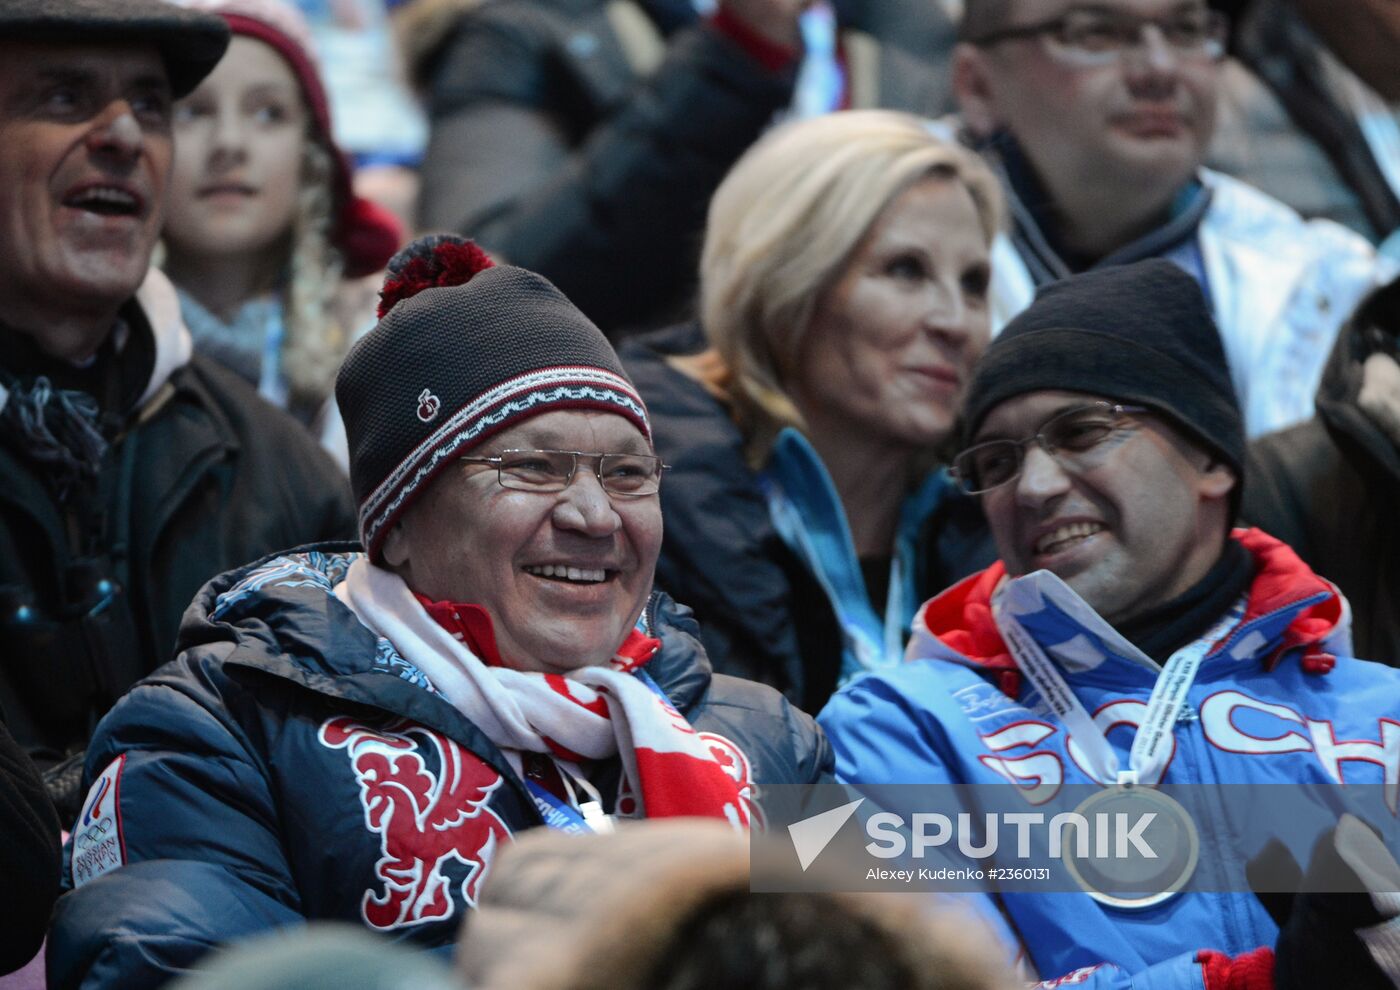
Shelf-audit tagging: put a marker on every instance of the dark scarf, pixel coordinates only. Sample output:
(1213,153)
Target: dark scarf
(1161,631)
(64,416)
(1037,224)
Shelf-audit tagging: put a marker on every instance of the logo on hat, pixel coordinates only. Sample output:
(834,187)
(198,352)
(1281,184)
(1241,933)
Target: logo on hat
(428,406)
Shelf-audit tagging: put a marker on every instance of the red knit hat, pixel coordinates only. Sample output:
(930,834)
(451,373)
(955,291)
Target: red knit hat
(366,234)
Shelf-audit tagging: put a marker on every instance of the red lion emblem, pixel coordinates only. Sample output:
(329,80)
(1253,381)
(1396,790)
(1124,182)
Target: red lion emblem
(423,822)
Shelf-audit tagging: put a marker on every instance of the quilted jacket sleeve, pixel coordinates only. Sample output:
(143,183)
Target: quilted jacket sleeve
(606,201)
(197,858)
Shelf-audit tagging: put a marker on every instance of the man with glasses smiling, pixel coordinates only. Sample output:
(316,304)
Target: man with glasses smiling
(1098,117)
(1106,446)
(355,735)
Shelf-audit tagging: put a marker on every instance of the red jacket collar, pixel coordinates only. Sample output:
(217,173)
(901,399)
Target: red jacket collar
(472,626)
(961,617)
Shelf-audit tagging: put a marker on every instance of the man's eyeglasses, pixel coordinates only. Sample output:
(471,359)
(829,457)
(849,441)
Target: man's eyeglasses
(1099,37)
(553,470)
(1070,437)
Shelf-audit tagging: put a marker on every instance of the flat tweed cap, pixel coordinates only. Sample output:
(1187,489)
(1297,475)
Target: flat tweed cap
(1139,333)
(450,366)
(190,43)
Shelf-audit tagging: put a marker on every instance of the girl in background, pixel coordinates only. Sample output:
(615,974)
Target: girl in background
(264,234)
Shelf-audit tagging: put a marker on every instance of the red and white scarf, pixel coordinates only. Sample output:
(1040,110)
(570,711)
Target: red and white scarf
(592,713)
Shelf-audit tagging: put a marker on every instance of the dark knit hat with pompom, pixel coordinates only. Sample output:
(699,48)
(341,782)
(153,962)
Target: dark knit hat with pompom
(463,350)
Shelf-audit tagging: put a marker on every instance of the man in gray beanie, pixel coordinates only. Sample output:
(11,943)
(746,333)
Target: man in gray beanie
(132,471)
(1106,444)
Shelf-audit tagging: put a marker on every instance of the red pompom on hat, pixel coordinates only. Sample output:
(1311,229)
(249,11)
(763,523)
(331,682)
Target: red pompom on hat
(365,234)
(429,262)
(464,349)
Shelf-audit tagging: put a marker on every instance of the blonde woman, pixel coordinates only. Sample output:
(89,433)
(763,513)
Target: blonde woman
(843,303)
(262,228)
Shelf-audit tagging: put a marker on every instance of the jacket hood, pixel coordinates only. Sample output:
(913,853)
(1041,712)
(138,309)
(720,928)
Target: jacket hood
(958,625)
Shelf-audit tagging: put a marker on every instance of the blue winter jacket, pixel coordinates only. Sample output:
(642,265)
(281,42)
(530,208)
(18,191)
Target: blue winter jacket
(1277,700)
(288,763)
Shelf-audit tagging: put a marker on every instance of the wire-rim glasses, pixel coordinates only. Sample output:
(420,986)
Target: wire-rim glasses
(1091,37)
(1065,436)
(628,475)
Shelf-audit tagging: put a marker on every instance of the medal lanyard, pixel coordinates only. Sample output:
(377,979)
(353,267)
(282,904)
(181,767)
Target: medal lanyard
(587,817)
(575,816)
(1152,746)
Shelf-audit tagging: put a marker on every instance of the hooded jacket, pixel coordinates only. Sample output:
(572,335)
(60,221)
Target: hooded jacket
(201,476)
(291,765)
(1329,487)
(1278,699)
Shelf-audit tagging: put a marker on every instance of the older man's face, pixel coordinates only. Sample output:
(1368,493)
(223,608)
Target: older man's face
(1139,124)
(563,575)
(85,150)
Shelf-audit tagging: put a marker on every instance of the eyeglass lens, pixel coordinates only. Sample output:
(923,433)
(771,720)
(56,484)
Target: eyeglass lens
(552,470)
(1093,33)
(989,465)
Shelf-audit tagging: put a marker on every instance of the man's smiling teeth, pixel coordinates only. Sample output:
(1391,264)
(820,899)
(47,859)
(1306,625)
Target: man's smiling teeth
(584,575)
(1068,533)
(106,199)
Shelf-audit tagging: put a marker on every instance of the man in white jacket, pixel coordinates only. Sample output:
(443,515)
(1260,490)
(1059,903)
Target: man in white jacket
(1098,118)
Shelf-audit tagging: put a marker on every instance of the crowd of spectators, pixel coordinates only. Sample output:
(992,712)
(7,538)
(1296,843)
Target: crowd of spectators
(457,454)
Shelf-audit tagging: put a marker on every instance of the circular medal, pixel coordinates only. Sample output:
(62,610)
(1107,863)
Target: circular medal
(1139,847)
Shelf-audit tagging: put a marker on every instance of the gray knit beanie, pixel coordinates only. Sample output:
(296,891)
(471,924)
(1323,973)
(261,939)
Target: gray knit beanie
(463,349)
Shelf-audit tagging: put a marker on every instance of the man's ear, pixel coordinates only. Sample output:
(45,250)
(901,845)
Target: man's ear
(1218,479)
(973,89)
(395,547)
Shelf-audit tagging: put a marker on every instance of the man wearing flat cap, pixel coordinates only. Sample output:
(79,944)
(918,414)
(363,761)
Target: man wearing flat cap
(1106,444)
(133,471)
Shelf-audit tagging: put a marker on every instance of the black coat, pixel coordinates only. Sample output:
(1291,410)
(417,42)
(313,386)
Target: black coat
(762,613)
(1330,489)
(586,147)
(29,855)
(207,476)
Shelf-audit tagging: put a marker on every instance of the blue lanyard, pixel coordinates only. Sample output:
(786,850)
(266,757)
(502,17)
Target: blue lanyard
(556,813)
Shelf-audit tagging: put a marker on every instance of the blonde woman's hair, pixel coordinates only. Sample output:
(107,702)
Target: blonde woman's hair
(781,228)
(314,342)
